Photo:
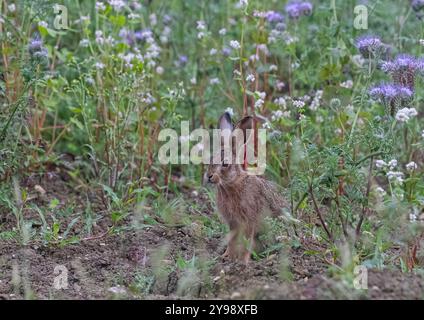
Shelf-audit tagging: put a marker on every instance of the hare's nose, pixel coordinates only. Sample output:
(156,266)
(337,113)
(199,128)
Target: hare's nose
(210,178)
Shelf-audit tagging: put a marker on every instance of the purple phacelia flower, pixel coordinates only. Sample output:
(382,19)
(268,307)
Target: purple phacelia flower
(392,96)
(167,19)
(226,51)
(295,9)
(306,8)
(403,69)
(417,5)
(370,46)
(35,44)
(274,17)
(182,60)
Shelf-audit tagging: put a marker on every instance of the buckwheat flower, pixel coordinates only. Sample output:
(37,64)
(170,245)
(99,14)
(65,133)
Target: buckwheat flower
(11,7)
(43,24)
(395,176)
(84,43)
(263,48)
(298,103)
(222,32)
(230,111)
(403,69)
(153,19)
(117,5)
(281,102)
(276,115)
(370,46)
(392,164)
(99,65)
(235,44)
(405,114)
(243,4)
(250,78)
(159,70)
(100,6)
(133,16)
(347,84)
(193,81)
(280,85)
(289,39)
(253,58)
(89,80)
(99,37)
(380,164)
(422,42)
(259,14)
(273,67)
(422,134)
(201,25)
(295,65)
(266,125)
(214,81)
(274,17)
(213,52)
(259,103)
(411,166)
(380,191)
(237,73)
(261,95)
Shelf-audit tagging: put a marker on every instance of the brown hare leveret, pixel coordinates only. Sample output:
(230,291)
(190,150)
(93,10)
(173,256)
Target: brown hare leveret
(242,199)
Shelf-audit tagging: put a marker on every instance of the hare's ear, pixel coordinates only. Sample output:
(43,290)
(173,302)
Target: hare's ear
(224,122)
(245,124)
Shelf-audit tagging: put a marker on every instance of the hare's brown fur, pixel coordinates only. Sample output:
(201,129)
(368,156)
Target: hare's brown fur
(243,200)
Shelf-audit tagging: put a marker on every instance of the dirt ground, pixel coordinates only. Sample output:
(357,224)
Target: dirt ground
(139,264)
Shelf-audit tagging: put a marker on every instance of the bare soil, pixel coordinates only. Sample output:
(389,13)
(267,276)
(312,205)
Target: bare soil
(129,265)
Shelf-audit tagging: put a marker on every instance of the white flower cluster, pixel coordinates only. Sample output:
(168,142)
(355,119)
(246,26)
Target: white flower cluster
(130,57)
(381,164)
(100,6)
(281,102)
(405,114)
(165,35)
(277,115)
(117,5)
(201,28)
(298,103)
(316,102)
(395,176)
(411,166)
(100,39)
(260,99)
(235,44)
(348,84)
(250,78)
